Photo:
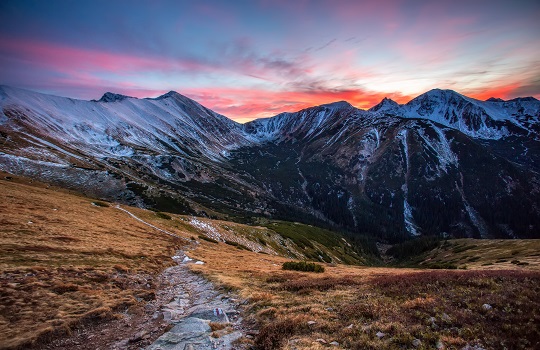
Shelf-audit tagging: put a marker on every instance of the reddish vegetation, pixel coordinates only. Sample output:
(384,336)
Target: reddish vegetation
(433,306)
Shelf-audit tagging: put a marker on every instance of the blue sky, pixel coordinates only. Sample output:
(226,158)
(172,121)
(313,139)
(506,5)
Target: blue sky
(250,59)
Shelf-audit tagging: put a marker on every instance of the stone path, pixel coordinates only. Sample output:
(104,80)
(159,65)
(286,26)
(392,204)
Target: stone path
(195,304)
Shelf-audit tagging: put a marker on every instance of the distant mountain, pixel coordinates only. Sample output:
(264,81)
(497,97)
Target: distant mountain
(441,164)
(491,119)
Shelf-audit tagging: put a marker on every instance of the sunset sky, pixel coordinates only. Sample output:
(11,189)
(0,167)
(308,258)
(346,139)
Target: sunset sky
(252,59)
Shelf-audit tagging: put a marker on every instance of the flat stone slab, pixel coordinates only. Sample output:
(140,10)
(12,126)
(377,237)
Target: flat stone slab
(214,315)
(191,331)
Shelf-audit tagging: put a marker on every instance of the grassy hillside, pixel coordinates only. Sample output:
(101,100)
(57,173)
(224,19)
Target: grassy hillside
(468,253)
(68,261)
(380,308)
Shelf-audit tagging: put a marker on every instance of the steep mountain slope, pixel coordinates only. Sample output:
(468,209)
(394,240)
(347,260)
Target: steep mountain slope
(117,147)
(391,176)
(441,164)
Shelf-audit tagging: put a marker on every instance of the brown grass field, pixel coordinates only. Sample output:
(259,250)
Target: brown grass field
(65,263)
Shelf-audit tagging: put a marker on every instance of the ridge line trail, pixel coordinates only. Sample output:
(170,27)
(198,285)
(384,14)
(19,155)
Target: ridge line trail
(190,302)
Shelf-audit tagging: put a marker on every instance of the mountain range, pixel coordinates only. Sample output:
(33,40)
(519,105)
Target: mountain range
(442,164)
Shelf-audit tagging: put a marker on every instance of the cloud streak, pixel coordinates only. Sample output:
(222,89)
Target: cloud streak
(258,58)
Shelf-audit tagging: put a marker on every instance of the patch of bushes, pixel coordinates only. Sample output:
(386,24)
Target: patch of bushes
(208,239)
(414,247)
(274,334)
(304,285)
(442,266)
(163,215)
(464,248)
(237,245)
(302,266)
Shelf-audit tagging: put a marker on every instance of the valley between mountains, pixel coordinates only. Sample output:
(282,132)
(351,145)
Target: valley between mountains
(133,223)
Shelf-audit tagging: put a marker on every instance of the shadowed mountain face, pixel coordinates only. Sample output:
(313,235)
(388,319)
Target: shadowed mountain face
(441,164)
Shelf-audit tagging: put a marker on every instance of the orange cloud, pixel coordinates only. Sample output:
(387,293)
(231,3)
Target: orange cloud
(505,92)
(246,104)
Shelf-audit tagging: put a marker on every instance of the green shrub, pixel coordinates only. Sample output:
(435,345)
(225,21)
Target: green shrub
(163,215)
(414,247)
(442,265)
(237,245)
(208,239)
(302,266)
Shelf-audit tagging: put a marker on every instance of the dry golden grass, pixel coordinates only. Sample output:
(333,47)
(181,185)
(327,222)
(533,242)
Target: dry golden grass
(488,254)
(350,304)
(64,261)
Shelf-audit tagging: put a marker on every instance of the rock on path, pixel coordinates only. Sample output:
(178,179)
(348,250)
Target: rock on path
(195,303)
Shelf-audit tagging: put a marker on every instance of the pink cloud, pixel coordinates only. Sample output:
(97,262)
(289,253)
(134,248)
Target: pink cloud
(69,59)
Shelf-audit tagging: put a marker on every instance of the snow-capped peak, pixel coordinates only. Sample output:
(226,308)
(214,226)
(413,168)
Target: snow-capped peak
(494,99)
(169,94)
(337,105)
(113,97)
(524,99)
(386,105)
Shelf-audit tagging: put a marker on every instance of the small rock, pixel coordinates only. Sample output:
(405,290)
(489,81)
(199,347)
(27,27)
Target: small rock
(440,345)
(199,263)
(446,318)
(322,341)
(349,326)
(380,334)
(311,323)
(416,342)
(138,336)
(329,309)
(30,222)
(487,307)
(334,343)
(472,347)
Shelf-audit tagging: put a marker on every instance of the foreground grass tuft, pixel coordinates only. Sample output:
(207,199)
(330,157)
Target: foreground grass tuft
(302,266)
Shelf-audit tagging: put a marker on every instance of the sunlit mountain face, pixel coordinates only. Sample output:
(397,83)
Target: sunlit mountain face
(253,59)
(442,164)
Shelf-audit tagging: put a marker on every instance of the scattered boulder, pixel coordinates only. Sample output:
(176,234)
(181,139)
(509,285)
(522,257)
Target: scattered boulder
(487,307)
(416,342)
(321,340)
(380,334)
(472,347)
(334,343)
(440,345)
(311,323)
(138,336)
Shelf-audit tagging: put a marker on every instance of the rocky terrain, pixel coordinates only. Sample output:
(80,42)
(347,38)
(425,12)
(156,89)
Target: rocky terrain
(442,164)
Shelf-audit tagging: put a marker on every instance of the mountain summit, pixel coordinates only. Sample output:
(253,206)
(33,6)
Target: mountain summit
(442,164)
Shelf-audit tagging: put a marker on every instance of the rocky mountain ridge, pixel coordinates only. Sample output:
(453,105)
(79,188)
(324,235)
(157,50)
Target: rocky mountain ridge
(441,164)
